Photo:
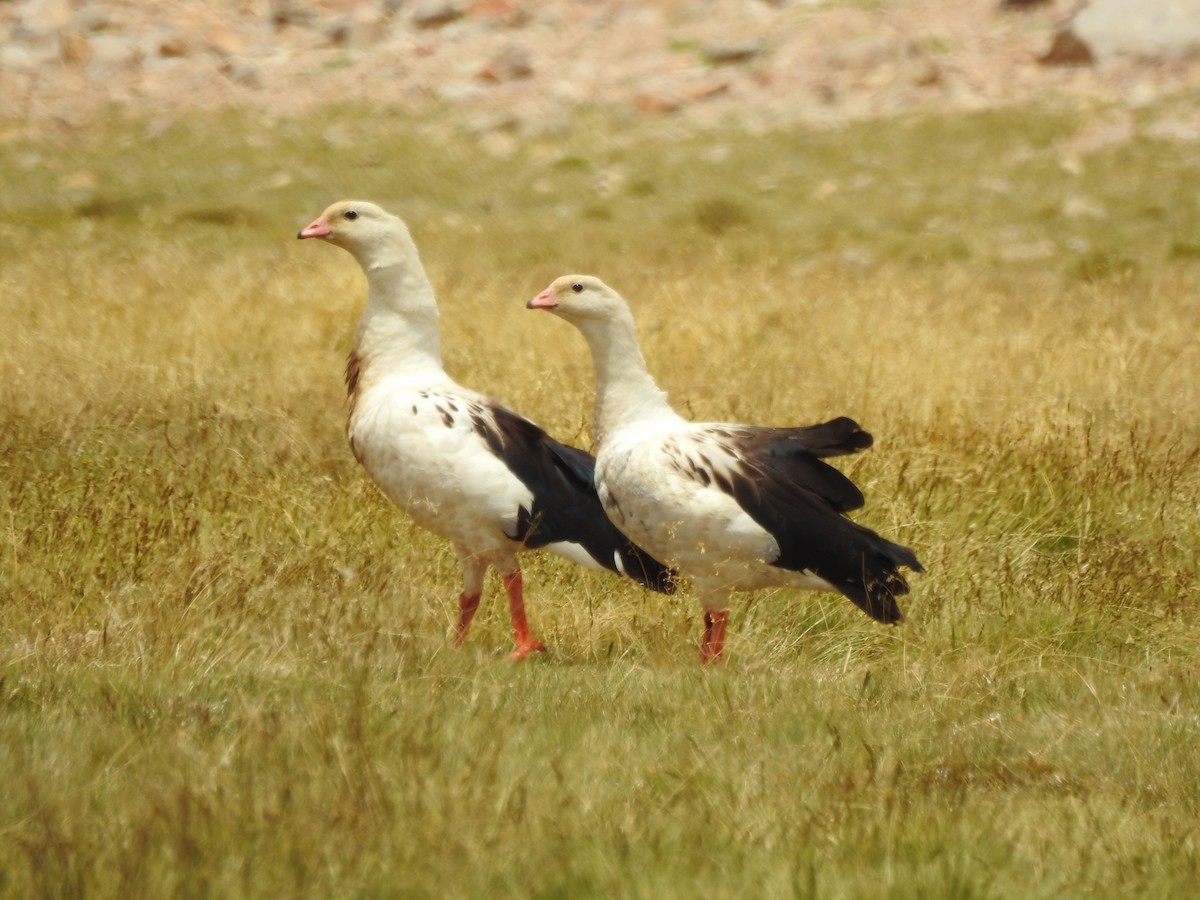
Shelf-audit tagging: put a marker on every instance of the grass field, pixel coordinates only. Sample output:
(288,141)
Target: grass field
(224,665)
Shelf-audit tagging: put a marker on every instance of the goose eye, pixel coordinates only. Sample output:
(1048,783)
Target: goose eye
(577,288)
(350,214)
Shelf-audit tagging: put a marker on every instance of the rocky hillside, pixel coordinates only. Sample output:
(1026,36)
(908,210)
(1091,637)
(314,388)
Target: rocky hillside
(526,63)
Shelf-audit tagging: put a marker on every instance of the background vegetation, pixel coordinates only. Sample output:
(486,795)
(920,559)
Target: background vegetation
(224,667)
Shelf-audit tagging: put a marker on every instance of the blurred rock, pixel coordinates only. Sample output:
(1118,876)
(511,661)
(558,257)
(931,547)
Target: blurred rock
(74,49)
(19,57)
(508,12)
(725,54)
(170,43)
(39,18)
(707,90)
(436,13)
(1067,50)
(757,63)
(91,19)
(223,41)
(509,64)
(656,102)
(928,74)
(1141,28)
(356,31)
(114,51)
(241,72)
(290,12)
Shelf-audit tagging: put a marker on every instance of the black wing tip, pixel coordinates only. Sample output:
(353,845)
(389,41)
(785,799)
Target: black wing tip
(876,594)
(847,424)
(841,436)
(878,599)
(904,556)
(837,437)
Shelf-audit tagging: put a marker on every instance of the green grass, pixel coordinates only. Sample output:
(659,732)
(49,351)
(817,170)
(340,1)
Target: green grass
(224,666)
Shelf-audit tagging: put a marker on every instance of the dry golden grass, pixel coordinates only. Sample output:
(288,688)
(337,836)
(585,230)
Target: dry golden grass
(224,664)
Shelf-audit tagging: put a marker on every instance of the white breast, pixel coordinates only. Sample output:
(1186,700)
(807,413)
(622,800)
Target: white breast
(679,519)
(421,448)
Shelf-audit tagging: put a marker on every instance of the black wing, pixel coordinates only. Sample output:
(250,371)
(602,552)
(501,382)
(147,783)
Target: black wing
(793,456)
(781,482)
(565,504)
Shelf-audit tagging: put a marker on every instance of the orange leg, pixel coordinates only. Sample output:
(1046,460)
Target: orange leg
(516,606)
(712,645)
(467,604)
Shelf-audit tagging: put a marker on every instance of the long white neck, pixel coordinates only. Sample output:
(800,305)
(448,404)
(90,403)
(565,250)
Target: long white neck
(625,392)
(398,332)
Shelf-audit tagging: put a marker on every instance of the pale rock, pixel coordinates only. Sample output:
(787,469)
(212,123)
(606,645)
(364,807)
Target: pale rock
(568,91)
(74,49)
(18,57)
(243,73)
(506,12)
(436,13)
(290,12)
(731,53)
(1141,28)
(169,44)
(356,31)
(453,91)
(928,74)
(93,18)
(656,102)
(223,41)
(113,51)
(707,90)
(513,62)
(40,18)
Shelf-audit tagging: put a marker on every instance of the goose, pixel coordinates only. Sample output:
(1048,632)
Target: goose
(734,507)
(457,462)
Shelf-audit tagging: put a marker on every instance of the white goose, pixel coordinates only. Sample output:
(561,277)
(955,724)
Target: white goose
(736,507)
(460,464)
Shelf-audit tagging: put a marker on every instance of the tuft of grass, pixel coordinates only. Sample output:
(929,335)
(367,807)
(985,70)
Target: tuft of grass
(224,666)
